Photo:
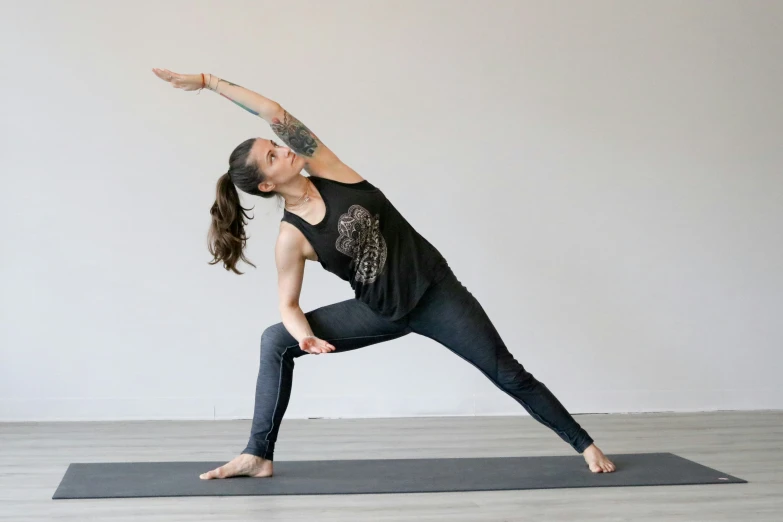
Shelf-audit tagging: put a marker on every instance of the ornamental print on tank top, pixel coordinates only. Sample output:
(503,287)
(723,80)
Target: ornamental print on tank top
(364,240)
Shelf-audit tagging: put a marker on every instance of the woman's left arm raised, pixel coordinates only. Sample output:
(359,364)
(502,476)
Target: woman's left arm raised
(251,101)
(321,160)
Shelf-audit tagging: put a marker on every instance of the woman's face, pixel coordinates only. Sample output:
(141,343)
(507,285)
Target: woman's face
(277,162)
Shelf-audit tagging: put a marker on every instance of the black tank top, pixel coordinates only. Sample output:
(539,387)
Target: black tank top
(363,239)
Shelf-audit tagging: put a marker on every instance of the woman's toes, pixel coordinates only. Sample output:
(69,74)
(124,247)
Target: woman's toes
(215,473)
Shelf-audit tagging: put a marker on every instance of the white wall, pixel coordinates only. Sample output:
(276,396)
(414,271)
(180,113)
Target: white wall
(605,177)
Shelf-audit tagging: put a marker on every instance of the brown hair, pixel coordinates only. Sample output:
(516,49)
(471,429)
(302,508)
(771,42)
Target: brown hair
(226,238)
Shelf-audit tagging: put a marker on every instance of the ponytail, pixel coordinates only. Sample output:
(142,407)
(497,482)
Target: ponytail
(226,239)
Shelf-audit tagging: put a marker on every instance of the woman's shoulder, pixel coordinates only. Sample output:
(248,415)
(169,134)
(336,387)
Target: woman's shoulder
(292,241)
(337,171)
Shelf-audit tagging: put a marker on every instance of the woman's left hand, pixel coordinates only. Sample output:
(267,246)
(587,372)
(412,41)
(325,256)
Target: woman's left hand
(186,82)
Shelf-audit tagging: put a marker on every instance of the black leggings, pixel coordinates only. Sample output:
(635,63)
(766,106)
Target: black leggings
(447,313)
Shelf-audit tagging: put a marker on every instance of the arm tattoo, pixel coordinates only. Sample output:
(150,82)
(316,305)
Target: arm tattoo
(251,111)
(294,133)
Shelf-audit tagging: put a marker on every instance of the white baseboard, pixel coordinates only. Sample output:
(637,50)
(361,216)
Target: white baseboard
(375,405)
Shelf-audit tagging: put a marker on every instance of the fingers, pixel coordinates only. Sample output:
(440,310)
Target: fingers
(166,75)
(322,347)
(326,347)
(162,73)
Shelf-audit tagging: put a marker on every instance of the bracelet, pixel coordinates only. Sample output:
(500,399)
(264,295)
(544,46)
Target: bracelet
(209,83)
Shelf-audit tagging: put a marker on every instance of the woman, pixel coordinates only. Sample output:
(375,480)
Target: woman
(402,284)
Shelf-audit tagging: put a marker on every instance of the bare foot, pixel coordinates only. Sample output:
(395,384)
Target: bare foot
(597,461)
(243,465)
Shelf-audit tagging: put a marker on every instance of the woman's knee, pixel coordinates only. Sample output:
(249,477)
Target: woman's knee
(275,340)
(514,374)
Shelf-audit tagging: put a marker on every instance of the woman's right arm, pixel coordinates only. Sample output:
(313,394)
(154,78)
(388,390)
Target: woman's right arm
(290,261)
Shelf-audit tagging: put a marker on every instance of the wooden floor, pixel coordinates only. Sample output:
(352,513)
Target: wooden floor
(749,445)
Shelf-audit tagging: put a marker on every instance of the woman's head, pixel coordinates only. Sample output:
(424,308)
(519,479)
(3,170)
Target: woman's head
(279,164)
(257,166)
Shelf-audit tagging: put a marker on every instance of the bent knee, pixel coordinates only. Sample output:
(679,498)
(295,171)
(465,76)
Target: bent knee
(276,339)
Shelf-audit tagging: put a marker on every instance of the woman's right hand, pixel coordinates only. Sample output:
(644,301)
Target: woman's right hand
(315,345)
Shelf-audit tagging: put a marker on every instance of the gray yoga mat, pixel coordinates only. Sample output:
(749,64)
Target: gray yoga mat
(334,477)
